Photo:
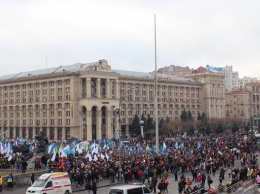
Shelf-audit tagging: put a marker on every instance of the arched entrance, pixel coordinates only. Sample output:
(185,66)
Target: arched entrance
(103,122)
(84,122)
(94,122)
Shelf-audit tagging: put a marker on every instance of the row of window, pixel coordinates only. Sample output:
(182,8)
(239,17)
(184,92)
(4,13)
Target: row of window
(143,87)
(35,85)
(34,94)
(36,114)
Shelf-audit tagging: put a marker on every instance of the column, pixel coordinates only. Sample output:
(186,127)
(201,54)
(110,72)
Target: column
(98,87)
(108,86)
(109,128)
(88,87)
(98,125)
(89,125)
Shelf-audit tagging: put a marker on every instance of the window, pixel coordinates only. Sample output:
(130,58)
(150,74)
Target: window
(44,84)
(68,89)
(135,190)
(67,81)
(49,184)
(59,121)
(67,121)
(59,82)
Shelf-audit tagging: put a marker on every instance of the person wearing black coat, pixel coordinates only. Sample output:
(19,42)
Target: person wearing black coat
(161,187)
(94,187)
(88,187)
(32,178)
(154,183)
(24,165)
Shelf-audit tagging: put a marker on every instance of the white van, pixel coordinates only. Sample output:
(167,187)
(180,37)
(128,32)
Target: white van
(50,183)
(129,189)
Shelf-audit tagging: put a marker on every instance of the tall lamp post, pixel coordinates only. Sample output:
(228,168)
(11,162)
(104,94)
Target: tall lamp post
(118,112)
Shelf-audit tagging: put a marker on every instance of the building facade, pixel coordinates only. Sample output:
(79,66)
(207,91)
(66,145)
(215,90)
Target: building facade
(213,93)
(81,100)
(244,103)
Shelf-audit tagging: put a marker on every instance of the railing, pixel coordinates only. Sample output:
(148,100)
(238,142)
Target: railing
(222,188)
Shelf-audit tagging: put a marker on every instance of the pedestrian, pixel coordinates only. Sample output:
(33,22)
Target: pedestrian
(189,182)
(154,183)
(94,187)
(88,187)
(166,183)
(229,172)
(32,178)
(180,186)
(161,187)
(1,183)
(210,181)
(24,165)
(10,181)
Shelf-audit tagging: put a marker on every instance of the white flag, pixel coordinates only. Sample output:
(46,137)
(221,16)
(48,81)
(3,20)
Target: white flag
(95,157)
(53,157)
(10,157)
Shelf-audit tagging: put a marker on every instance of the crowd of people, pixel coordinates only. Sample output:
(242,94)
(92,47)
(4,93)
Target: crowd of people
(215,156)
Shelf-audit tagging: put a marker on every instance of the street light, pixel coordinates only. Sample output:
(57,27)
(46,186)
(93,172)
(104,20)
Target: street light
(118,112)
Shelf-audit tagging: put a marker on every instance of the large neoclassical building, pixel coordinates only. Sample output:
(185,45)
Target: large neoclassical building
(80,100)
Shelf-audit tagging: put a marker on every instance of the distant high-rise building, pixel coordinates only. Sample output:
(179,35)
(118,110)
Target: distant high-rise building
(231,78)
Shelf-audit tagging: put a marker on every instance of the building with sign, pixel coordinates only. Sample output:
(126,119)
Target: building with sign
(80,100)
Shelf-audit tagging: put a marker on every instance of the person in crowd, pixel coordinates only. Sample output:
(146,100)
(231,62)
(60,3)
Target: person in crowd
(161,187)
(10,181)
(1,183)
(88,187)
(94,187)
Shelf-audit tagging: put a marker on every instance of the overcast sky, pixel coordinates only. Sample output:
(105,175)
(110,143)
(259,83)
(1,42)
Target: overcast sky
(189,33)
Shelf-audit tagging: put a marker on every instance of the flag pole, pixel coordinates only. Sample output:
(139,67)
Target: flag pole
(155,95)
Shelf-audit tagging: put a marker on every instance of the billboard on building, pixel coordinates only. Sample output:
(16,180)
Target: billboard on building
(211,68)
